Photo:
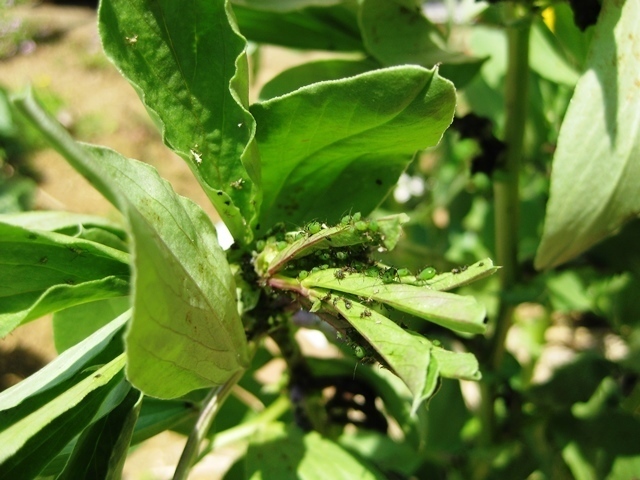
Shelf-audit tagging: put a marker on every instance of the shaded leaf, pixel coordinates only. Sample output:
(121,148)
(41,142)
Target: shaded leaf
(101,450)
(30,443)
(278,451)
(329,28)
(190,69)
(43,272)
(596,167)
(347,140)
(284,5)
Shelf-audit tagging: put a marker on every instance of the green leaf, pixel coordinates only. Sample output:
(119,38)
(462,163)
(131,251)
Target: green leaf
(278,451)
(64,366)
(456,312)
(547,60)
(596,167)
(314,72)
(284,5)
(101,450)
(42,272)
(329,28)
(382,451)
(347,140)
(186,332)
(407,353)
(73,325)
(61,222)
(396,32)
(30,443)
(190,69)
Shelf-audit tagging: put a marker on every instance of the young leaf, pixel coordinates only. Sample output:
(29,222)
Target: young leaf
(30,443)
(42,272)
(596,167)
(347,140)
(407,353)
(278,451)
(186,332)
(190,69)
(456,312)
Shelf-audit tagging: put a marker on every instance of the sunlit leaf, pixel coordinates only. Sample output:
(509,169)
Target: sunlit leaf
(346,140)
(596,168)
(189,66)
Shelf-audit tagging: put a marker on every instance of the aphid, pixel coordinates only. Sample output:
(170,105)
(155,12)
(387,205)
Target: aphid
(389,275)
(373,226)
(341,255)
(313,227)
(303,274)
(260,244)
(339,274)
(356,216)
(426,274)
(365,313)
(359,351)
(481,264)
(463,268)
(361,226)
(281,245)
(403,272)
(347,304)
(43,260)
(132,40)
(345,220)
(455,271)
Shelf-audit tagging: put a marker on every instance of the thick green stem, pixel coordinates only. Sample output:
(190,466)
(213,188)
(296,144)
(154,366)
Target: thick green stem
(507,198)
(215,399)
(506,188)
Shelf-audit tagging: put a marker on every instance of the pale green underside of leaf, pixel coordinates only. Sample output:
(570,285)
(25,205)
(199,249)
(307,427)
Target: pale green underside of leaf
(456,312)
(596,168)
(277,452)
(43,272)
(16,436)
(346,140)
(56,221)
(189,67)
(407,353)
(186,332)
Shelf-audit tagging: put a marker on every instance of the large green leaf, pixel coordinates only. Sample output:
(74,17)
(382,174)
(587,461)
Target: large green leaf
(189,66)
(596,168)
(285,5)
(278,451)
(346,140)
(42,272)
(186,332)
(30,443)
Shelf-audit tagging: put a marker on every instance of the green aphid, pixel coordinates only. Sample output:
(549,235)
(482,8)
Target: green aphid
(373,226)
(260,244)
(281,245)
(426,274)
(403,272)
(326,256)
(389,275)
(345,220)
(359,351)
(356,216)
(314,227)
(339,274)
(324,267)
(361,226)
(372,272)
(347,304)
(303,274)
(341,255)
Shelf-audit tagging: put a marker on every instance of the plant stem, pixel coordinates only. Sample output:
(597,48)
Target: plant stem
(212,404)
(506,188)
(506,194)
